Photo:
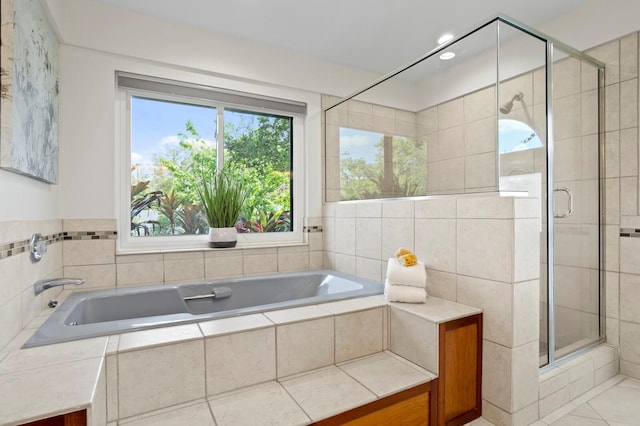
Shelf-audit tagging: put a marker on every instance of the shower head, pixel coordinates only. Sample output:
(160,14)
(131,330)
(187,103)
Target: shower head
(506,108)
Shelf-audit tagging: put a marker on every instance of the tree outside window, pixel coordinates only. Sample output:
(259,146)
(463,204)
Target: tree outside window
(164,201)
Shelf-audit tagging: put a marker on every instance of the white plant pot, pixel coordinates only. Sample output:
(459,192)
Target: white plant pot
(223,237)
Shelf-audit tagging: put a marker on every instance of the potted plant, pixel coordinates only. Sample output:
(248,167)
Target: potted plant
(223,195)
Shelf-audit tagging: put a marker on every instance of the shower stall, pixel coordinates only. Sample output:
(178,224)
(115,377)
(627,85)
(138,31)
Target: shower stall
(501,108)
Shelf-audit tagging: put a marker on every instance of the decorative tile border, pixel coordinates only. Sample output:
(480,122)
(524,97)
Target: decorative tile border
(310,229)
(17,247)
(630,232)
(90,235)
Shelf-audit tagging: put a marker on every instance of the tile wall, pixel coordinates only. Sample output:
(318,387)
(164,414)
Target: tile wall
(86,248)
(96,259)
(212,358)
(461,143)
(621,214)
(479,250)
(460,136)
(18,304)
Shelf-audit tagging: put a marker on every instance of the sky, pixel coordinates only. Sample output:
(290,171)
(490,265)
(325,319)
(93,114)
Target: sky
(359,144)
(514,133)
(156,124)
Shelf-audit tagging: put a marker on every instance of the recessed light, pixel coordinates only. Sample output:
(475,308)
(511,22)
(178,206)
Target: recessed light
(444,38)
(447,55)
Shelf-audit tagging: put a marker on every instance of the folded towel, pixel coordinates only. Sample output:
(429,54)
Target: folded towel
(404,293)
(415,276)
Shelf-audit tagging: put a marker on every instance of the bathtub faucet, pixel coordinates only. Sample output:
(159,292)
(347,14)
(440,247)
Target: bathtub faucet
(41,285)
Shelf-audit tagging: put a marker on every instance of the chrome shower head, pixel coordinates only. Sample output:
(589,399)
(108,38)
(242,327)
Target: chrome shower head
(506,108)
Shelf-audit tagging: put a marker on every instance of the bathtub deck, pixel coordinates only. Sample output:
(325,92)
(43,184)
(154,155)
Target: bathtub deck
(127,373)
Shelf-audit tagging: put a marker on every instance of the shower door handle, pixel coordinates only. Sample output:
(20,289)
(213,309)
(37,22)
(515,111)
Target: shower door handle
(569,210)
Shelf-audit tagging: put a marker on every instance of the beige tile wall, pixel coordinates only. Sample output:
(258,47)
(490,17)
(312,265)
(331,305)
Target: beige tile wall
(481,251)
(18,304)
(461,140)
(621,204)
(211,358)
(460,136)
(98,263)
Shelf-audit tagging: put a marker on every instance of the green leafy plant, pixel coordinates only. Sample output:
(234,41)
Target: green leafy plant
(265,221)
(191,220)
(222,194)
(140,201)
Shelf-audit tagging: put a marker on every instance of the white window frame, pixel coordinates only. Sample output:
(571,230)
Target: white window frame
(128,243)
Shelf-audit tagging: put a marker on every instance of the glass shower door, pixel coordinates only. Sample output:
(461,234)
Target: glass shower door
(575,276)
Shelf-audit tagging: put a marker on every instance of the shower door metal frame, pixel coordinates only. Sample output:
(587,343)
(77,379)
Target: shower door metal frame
(550,47)
(550,152)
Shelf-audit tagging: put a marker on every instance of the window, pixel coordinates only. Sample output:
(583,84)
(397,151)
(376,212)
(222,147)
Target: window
(515,136)
(170,129)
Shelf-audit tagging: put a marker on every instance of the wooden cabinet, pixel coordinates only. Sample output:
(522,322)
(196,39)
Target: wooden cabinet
(412,407)
(460,375)
(77,418)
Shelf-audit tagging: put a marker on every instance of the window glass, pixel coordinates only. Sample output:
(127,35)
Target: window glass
(260,145)
(514,135)
(166,137)
(170,138)
(378,165)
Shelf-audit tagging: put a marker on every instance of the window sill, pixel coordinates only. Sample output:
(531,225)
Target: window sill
(239,247)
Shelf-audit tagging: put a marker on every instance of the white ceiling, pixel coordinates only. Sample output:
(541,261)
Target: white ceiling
(372,35)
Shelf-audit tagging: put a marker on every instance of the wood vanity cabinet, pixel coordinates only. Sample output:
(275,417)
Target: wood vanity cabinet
(460,375)
(77,418)
(411,407)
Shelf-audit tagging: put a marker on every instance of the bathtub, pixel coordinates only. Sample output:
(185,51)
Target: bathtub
(106,312)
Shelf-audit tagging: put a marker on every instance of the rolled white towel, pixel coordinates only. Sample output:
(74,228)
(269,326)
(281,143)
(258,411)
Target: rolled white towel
(415,276)
(404,293)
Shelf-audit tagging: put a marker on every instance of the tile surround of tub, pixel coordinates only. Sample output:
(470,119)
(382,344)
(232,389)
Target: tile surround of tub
(450,233)
(145,383)
(18,304)
(89,252)
(340,392)
(269,404)
(226,342)
(413,338)
(191,413)
(358,334)
(303,346)
(240,359)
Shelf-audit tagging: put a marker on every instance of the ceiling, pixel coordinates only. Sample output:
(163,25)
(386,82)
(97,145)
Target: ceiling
(372,35)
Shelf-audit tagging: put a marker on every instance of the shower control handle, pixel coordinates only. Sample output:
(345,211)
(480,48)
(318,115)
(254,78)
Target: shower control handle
(569,210)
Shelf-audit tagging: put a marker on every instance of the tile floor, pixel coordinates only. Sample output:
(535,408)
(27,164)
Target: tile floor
(615,402)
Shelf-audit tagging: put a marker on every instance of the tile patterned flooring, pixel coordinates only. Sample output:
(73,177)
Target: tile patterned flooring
(615,402)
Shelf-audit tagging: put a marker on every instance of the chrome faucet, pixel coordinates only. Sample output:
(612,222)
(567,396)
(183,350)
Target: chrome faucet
(41,285)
